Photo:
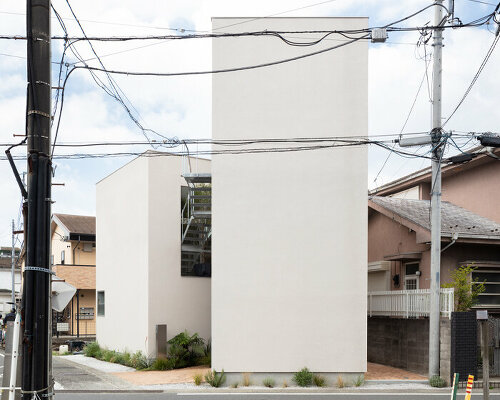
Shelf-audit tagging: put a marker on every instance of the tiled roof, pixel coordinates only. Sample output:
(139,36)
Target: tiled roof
(454,219)
(82,224)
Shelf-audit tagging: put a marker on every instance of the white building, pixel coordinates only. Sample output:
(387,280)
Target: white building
(288,243)
(139,283)
(6,279)
(289,229)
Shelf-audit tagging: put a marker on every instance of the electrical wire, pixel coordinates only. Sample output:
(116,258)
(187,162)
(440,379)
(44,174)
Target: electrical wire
(476,76)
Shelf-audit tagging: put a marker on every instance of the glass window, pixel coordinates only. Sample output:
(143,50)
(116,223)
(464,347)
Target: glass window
(100,303)
(411,268)
(63,257)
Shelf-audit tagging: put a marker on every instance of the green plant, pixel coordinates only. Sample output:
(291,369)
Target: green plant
(197,378)
(139,361)
(186,349)
(161,364)
(246,379)
(303,378)
(319,380)
(340,382)
(92,349)
(234,385)
(107,355)
(437,381)
(359,381)
(268,382)
(214,378)
(467,289)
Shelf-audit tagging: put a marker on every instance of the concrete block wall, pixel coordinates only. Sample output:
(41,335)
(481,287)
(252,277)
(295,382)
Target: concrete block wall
(445,350)
(400,343)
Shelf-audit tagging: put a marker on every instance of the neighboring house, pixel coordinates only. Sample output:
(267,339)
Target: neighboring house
(399,236)
(147,275)
(6,279)
(399,228)
(73,260)
(399,246)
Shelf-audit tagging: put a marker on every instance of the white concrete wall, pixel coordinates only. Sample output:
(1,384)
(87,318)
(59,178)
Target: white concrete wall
(122,257)
(289,246)
(139,257)
(179,302)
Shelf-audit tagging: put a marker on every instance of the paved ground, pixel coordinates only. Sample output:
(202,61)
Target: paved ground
(383,372)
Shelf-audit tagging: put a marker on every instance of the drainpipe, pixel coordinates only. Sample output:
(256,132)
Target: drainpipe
(74,249)
(454,238)
(78,313)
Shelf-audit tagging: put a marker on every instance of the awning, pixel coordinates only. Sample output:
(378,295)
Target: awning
(404,257)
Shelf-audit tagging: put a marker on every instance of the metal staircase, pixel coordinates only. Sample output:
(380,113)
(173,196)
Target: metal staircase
(196,227)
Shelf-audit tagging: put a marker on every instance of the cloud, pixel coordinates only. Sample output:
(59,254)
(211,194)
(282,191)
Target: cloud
(182,106)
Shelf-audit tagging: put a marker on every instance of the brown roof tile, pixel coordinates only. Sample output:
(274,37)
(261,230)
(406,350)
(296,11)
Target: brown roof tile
(78,223)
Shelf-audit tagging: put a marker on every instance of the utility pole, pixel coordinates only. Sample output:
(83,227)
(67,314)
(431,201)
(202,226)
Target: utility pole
(434,315)
(35,308)
(13,272)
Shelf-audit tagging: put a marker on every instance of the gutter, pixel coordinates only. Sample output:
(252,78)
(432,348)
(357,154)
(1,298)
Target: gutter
(74,249)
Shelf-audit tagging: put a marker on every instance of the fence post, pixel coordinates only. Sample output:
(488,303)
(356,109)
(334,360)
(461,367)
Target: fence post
(370,304)
(407,304)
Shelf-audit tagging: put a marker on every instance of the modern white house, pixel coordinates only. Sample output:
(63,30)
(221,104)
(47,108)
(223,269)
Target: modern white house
(141,282)
(289,245)
(6,279)
(264,253)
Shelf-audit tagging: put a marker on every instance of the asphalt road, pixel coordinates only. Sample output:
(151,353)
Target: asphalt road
(257,396)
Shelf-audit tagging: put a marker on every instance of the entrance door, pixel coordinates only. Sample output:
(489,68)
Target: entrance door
(412,274)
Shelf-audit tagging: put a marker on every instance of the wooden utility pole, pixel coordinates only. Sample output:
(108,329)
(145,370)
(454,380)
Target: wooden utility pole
(35,308)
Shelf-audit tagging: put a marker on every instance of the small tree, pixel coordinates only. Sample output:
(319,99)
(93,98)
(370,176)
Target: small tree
(467,289)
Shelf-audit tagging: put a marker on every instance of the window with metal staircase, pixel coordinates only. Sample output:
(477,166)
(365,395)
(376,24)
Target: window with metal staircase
(196,225)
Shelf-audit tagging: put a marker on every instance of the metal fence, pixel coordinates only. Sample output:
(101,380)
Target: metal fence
(408,303)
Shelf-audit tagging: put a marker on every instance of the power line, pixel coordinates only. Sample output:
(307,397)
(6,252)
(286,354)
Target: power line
(476,76)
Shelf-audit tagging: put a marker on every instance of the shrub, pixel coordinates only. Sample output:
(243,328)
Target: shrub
(214,378)
(92,349)
(285,383)
(161,364)
(467,290)
(139,361)
(319,380)
(359,381)
(186,349)
(303,378)
(107,355)
(197,379)
(437,381)
(268,382)
(246,379)
(340,382)
(234,385)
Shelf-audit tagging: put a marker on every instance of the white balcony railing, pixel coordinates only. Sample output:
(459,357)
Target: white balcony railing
(408,303)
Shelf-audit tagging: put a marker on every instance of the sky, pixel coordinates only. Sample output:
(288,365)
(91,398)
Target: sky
(181,106)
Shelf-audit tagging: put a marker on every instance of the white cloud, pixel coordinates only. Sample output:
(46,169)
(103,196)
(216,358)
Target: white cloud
(181,106)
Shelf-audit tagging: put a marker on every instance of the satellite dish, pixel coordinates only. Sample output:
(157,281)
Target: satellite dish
(62,293)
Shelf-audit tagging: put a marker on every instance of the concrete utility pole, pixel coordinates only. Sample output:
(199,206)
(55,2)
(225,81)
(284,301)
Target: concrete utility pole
(13,266)
(35,306)
(434,315)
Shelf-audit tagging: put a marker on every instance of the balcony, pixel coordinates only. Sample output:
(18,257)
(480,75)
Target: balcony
(408,303)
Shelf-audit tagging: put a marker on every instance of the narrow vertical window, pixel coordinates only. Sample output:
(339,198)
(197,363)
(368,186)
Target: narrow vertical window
(100,303)
(62,257)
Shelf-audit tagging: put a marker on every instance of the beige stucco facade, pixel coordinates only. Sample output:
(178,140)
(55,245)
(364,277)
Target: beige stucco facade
(74,262)
(139,257)
(289,240)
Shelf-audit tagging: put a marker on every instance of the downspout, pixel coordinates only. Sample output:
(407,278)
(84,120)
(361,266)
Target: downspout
(454,238)
(74,249)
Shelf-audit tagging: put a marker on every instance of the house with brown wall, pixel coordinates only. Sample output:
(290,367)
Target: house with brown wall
(73,260)
(399,236)
(399,228)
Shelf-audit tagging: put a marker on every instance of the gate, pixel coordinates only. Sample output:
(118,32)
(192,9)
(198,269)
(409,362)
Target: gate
(494,347)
